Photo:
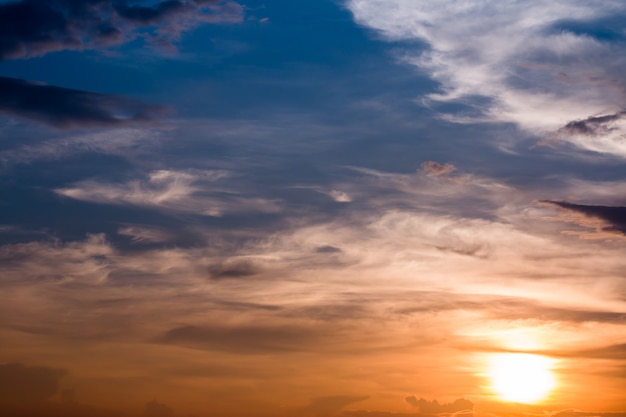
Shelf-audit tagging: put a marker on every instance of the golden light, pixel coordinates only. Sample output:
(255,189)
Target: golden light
(520,377)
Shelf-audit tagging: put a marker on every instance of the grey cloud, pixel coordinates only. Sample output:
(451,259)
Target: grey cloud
(234,269)
(434,407)
(435,169)
(245,339)
(591,126)
(34,27)
(327,406)
(22,385)
(327,249)
(367,413)
(155,409)
(66,108)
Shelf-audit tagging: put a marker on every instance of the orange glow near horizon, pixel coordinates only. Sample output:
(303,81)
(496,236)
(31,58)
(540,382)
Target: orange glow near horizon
(520,377)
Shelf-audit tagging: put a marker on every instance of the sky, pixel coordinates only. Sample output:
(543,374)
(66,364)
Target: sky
(312,208)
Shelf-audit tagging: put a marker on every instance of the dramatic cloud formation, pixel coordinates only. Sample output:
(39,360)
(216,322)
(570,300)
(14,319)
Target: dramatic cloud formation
(32,27)
(525,62)
(64,107)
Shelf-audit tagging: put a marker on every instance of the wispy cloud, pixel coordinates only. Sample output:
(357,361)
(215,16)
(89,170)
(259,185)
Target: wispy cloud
(181,191)
(122,142)
(517,62)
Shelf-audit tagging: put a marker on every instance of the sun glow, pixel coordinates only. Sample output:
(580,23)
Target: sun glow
(521,378)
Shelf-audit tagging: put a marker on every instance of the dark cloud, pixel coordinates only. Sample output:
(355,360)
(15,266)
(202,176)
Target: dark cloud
(64,107)
(237,269)
(614,218)
(35,27)
(242,339)
(155,409)
(327,406)
(327,249)
(27,391)
(591,126)
(434,407)
(27,385)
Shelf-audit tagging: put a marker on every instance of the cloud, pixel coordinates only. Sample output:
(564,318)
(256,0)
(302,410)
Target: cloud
(31,28)
(66,108)
(234,268)
(579,413)
(246,339)
(142,234)
(177,191)
(155,409)
(125,141)
(339,196)
(368,413)
(597,133)
(435,169)
(82,261)
(617,351)
(328,406)
(22,385)
(434,407)
(607,220)
(513,62)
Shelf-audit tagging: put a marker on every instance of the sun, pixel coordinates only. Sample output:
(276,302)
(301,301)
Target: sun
(520,377)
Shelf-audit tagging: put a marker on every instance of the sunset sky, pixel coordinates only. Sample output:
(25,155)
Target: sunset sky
(312,208)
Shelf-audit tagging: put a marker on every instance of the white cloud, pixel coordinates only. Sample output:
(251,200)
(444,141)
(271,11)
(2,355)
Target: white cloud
(511,53)
(184,191)
(339,196)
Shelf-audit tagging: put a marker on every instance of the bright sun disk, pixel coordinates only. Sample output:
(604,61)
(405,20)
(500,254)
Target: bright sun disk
(522,378)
